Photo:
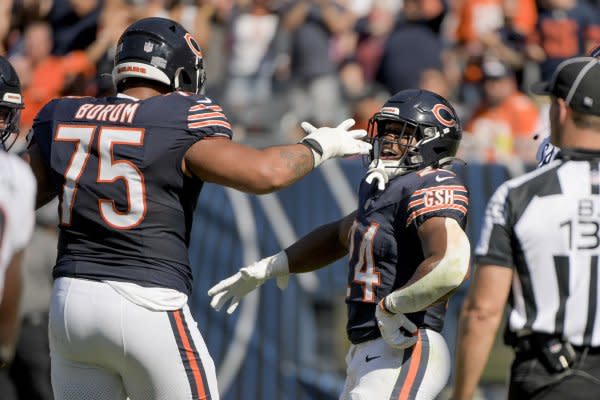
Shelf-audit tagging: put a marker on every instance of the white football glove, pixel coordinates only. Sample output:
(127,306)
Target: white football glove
(249,278)
(389,325)
(327,143)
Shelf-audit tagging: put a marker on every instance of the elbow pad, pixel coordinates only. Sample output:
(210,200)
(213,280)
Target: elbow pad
(447,275)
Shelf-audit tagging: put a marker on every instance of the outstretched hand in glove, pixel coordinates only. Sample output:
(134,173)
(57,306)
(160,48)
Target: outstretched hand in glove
(247,279)
(327,143)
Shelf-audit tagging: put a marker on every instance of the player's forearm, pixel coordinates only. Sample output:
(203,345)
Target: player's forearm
(245,168)
(286,164)
(476,334)
(318,249)
(431,289)
(264,171)
(275,168)
(436,277)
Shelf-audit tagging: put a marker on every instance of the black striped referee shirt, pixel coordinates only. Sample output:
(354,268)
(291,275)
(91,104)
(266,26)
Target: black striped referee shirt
(546,225)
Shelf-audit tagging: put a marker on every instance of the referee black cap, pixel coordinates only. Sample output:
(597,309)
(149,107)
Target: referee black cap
(576,80)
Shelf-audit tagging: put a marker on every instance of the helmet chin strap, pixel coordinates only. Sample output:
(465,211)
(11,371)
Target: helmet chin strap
(199,77)
(176,79)
(396,167)
(177,86)
(393,169)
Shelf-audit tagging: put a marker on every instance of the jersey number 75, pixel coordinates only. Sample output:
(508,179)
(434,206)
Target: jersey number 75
(109,170)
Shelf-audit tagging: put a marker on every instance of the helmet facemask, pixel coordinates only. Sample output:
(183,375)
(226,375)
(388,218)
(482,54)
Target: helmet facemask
(11,103)
(397,143)
(9,126)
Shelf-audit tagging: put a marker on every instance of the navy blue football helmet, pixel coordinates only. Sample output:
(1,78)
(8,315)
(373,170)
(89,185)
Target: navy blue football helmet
(161,50)
(11,103)
(426,127)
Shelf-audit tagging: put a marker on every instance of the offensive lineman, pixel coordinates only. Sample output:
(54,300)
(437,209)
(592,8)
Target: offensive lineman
(407,253)
(17,214)
(128,171)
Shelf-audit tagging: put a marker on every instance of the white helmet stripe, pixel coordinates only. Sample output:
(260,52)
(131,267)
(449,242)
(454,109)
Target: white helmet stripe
(12,98)
(138,70)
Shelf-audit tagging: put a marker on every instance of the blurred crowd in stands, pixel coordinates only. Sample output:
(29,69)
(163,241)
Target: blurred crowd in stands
(273,63)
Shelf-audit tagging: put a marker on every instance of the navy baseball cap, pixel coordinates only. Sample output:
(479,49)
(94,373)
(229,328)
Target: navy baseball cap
(576,81)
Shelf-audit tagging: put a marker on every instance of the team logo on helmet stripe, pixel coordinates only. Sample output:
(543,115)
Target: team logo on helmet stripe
(444,114)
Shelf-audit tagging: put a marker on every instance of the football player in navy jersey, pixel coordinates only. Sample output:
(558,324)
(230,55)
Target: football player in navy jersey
(407,253)
(128,171)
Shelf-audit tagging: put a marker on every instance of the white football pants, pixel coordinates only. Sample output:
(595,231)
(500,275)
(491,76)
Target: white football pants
(104,347)
(375,371)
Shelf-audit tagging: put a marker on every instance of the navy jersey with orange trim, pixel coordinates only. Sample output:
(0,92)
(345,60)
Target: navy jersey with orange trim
(126,207)
(385,249)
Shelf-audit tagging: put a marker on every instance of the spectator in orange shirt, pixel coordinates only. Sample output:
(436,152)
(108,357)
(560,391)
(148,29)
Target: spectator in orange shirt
(502,128)
(491,27)
(565,28)
(51,74)
(477,18)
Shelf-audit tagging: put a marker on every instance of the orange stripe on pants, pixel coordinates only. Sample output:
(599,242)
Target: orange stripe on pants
(413,368)
(190,355)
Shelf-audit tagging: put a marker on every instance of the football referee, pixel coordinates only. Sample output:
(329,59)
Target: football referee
(539,252)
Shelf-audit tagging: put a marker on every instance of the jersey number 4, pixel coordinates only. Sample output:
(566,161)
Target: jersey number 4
(109,170)
(365,271)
